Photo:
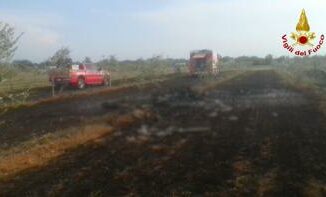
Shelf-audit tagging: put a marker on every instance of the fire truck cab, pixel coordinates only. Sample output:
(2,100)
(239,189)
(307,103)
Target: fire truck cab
(203,62)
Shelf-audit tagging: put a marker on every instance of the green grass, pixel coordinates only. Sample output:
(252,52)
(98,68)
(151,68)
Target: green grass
(22,81)
(22,87)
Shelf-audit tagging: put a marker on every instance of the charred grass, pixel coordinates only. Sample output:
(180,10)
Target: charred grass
(224,139)
(311,82)
(39,152)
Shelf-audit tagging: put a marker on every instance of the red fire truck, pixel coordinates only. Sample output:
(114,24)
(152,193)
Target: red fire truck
(203,62)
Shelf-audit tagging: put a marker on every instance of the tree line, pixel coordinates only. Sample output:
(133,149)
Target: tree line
(9,40)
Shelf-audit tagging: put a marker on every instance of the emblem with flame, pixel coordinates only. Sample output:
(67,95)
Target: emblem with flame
(303,37)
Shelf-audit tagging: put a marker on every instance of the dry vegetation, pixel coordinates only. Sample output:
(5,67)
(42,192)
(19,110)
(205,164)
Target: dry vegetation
(20,84)
(31,97)
(307,79)
(38,152)
(182,131)
(225,138)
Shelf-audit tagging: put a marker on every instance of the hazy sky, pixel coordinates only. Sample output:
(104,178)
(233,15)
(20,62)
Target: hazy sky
(132,29)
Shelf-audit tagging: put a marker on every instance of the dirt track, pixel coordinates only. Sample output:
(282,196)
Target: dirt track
(251,136)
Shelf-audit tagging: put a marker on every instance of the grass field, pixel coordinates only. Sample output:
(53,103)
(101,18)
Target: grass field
(34,79)
(22,87)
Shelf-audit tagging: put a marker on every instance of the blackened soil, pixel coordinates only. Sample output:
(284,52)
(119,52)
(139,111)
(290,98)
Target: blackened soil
(251,136)
(22,124)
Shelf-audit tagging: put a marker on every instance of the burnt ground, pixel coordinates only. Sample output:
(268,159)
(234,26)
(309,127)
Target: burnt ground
(250,136)
(24,123)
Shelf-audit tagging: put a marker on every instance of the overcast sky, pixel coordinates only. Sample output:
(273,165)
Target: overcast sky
(131,29)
